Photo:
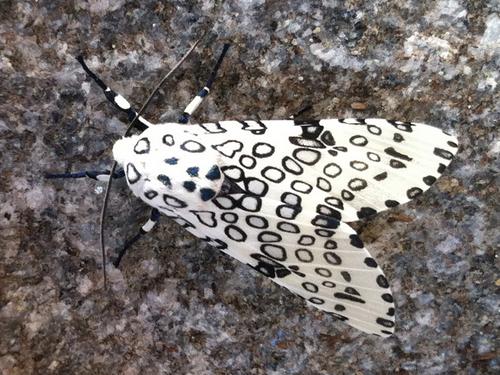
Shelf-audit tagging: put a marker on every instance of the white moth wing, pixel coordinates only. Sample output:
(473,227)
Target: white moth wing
(301,182)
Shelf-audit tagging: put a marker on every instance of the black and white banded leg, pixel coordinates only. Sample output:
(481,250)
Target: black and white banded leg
(95,175)
(116,99)
(203,93)
(153,219)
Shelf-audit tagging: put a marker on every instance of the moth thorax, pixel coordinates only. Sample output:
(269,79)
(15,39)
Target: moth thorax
(123,148)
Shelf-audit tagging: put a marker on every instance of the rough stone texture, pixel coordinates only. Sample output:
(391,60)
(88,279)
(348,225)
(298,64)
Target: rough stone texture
(180,307)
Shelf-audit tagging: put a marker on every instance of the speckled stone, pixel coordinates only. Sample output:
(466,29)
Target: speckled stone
(178,306)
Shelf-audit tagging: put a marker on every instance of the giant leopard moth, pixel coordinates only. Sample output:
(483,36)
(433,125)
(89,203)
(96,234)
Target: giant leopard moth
(278,194)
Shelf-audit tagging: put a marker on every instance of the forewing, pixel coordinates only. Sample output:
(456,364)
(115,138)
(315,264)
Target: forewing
(286,189)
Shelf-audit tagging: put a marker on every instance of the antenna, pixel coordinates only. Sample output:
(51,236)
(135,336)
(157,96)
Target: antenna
(127,133)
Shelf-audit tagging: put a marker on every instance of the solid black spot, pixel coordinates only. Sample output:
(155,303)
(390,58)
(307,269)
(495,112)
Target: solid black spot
(332,258)
(327,138)
(365,212)
(390,311)
(356,241)
(387,297)
(347,195)
(339,307)
(441,168)
(193,171)
(385,323)
(349,297)
(346,275)
(168,140)
(381,176)
(443,153)
(397,164)
(165,180)
(382,281)
(350,290)
(171,161)
(370,262)
(452,144)
(213,173)
(391,203)
(392,152)
(429,180)
(358,140)
(150,194)
(357,184)
(333,152)
(189,186)
(310,287)
(398,138)
(207,194)
(413,192)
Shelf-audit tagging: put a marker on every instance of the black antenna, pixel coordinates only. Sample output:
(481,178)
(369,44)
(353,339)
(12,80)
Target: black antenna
(127,132)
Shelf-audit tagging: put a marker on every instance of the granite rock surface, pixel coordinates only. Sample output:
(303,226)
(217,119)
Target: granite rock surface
(178,306)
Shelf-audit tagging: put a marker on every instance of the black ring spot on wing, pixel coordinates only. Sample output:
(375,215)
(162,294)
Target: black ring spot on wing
(142,146)
(262,150)
(256,221)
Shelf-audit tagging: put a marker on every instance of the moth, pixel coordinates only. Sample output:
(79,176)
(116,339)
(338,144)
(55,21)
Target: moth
(278,195)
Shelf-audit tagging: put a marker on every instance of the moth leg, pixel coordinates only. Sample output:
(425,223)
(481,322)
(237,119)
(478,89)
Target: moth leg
(153,219)
(116,99)
(203,93)
(95,175)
